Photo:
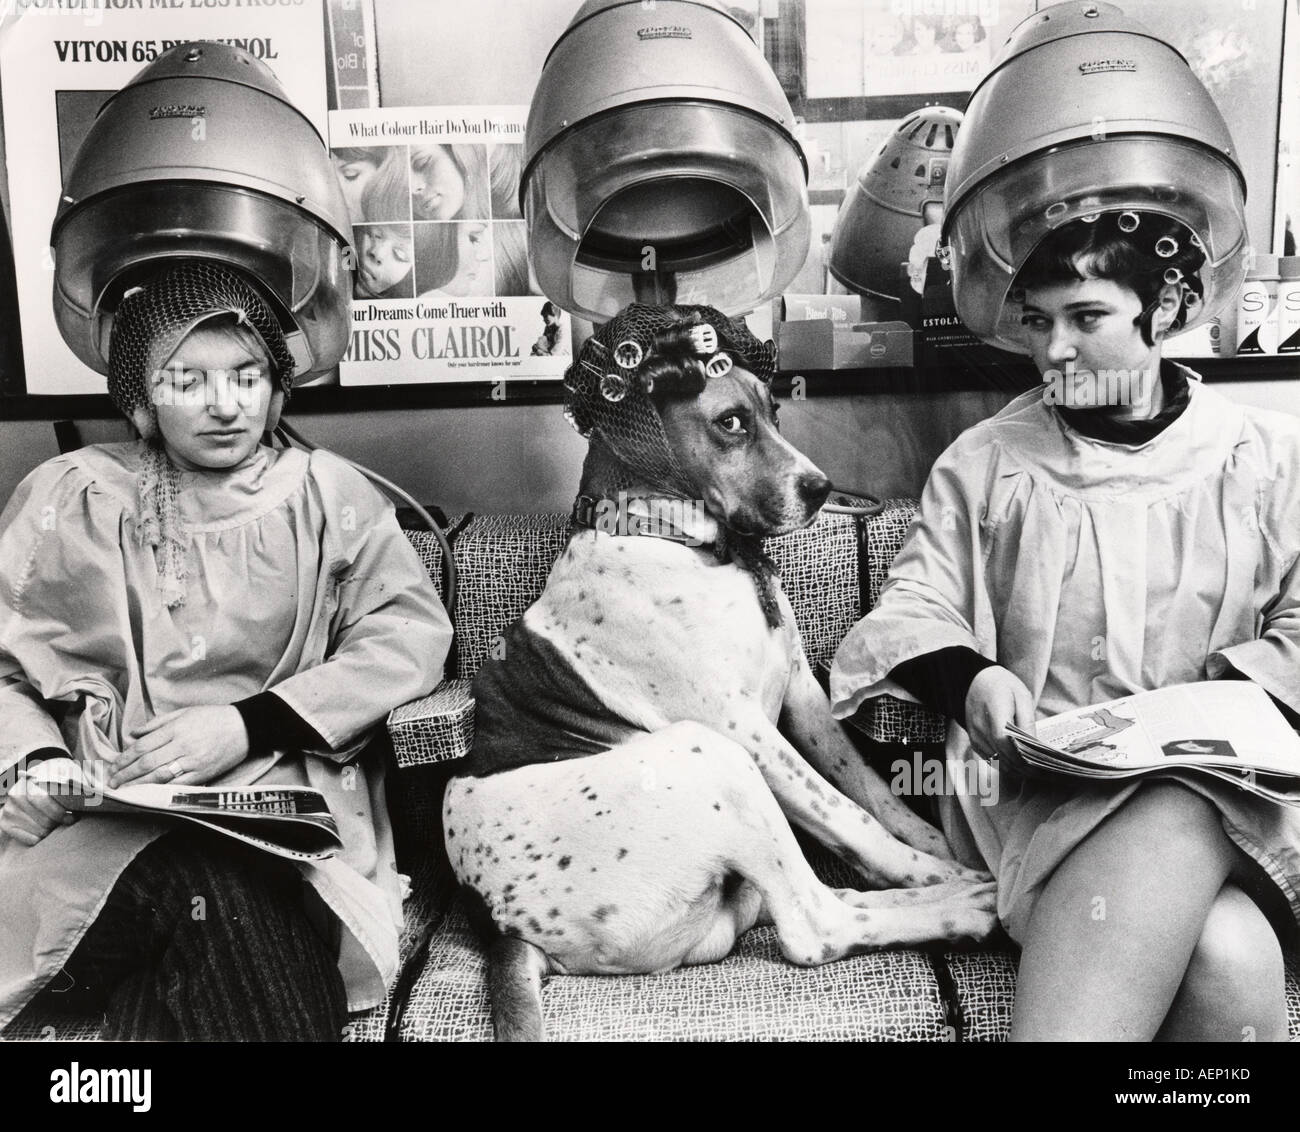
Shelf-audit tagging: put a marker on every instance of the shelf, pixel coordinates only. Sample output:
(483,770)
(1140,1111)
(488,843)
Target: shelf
(1009,379)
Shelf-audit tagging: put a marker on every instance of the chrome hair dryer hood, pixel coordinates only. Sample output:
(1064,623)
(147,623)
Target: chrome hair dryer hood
(202,156)
(659,163)
(1083,111)
(886,206)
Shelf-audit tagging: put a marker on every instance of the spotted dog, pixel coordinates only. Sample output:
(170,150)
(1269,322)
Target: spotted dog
(652,727)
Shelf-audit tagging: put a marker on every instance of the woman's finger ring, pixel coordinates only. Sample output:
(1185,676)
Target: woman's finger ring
(176,769)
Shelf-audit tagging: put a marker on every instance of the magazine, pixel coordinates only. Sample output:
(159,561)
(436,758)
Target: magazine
(289,821)
(1226,730)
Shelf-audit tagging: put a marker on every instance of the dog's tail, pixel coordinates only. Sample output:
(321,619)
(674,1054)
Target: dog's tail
(516,969)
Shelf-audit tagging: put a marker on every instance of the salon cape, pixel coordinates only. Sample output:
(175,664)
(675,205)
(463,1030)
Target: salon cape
(1093,570)
(300,581)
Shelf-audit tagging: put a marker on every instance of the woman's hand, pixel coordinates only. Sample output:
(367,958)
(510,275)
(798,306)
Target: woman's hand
(191,746)
(997,697)
(30,813)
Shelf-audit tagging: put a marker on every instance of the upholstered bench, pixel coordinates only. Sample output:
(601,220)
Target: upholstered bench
(503,562)
(831,572)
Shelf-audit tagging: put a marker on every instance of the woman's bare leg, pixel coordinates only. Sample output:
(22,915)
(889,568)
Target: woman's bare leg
(1235,986)
(1112,934)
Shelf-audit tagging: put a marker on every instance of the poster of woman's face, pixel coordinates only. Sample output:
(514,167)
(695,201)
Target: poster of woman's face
(449,182)
(454,259)
(388,183)
(384,262)
(374,182)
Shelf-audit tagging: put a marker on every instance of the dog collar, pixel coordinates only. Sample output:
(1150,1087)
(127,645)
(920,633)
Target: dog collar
(677,520)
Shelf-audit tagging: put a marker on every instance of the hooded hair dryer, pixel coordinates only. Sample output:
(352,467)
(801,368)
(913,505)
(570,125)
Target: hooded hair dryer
(889,202)
(1085,111)
(660,164)
(201,156)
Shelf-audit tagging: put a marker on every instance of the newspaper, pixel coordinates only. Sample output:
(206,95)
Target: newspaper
(1226,730)
(289,821)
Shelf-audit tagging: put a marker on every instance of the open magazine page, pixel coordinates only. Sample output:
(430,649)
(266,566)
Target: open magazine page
(1214,723)
(289,821)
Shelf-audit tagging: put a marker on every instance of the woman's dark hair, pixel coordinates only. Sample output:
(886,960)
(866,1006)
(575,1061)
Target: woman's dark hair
(675,367)
(1143,251)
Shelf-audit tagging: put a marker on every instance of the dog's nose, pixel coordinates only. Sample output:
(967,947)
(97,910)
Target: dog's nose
(814,487)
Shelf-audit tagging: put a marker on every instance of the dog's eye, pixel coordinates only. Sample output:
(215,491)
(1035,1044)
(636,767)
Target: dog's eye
(731,422)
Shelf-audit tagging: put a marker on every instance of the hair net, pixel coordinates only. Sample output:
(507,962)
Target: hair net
(646,352)
(153,321)
(150,324)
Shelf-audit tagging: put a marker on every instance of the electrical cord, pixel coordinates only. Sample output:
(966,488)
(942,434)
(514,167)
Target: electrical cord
(869,506)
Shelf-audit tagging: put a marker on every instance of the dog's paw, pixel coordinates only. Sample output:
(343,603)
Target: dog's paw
(931,871)
(969,912)
(983,892)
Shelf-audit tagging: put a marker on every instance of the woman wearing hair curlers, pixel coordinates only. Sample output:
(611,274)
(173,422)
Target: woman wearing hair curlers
(1121,529)
(200,608)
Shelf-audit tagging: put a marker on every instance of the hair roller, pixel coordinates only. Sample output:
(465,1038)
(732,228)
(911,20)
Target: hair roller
(613,387)
(678,339)
(705,339)
(628,354)
(718,366)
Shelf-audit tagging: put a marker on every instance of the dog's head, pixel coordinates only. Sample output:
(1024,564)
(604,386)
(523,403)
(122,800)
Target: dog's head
(750,478)
(680,398)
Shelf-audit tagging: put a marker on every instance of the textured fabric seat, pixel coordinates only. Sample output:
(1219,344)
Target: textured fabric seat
(753,994)
(503,563)
(984,984)
(831,572)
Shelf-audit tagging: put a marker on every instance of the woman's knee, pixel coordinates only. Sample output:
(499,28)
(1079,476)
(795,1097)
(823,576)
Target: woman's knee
(1175,820)
(1236,971)
(1238,944)
(1174,804)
